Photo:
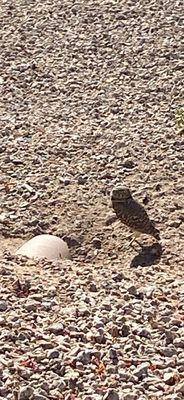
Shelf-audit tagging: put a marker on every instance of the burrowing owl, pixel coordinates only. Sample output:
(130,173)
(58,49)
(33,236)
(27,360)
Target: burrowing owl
(131,213)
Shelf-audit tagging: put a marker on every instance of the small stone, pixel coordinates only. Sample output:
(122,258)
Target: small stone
(3,391)
(148,291)
(37,297)
(132,290)
(38,396)
(25,393)
(47,305)
(111,395)
(97,336)
(54,353)
(31,306)
(114,330)
(176,322)
(158,187)
(129,164)
(3,217)
(107,306)
(66,181)
(3,306)
(170,378)
(130,396)
(113,353)
(118,277)
(92,287)
(44,386)
(72,378)
(168,351)
(146,199)
(84,356)
(82,179)
(179,342)
(56,328)
(98,323)
(125,330)
(142,333)
(61,385)
(2,321)
(175,224)
(180,387)
(82,311)
(71,240)
(141,371)
(97,244)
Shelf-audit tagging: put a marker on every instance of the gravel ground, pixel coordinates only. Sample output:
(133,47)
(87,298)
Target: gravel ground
(89,92)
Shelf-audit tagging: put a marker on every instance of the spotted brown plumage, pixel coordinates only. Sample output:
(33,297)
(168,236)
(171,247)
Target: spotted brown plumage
(131,213)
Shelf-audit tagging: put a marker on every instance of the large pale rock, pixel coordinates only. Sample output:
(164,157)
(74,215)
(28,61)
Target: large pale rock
(45,246)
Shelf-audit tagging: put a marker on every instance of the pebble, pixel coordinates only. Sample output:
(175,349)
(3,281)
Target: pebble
(82,179)
(56,328)
(113,353)
(40,397)
(180,387)
(179,342)
(3,306)
(141,371)
(128,164)
(125,330)
(132,290)
(54,353)
(25,393)
(129,396)
(2,321)
(111,395)
(31,305)
(97,244)
(85,356)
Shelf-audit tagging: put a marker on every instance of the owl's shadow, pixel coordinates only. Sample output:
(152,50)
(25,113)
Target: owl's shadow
(149,255)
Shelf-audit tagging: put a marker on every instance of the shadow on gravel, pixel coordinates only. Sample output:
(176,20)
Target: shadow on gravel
(149,255)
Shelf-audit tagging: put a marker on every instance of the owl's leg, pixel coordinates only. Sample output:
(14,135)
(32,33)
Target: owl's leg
(135,235)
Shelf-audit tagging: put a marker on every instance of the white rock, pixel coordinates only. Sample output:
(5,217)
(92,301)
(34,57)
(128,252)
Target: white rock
(3,306)
(45,246)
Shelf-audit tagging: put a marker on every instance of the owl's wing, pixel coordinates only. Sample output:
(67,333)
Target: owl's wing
(139,219)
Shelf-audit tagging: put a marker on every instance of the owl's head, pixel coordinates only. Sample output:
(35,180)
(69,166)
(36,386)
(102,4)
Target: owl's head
(120,193)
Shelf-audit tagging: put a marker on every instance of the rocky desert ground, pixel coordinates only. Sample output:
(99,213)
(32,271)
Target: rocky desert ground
(90,91)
